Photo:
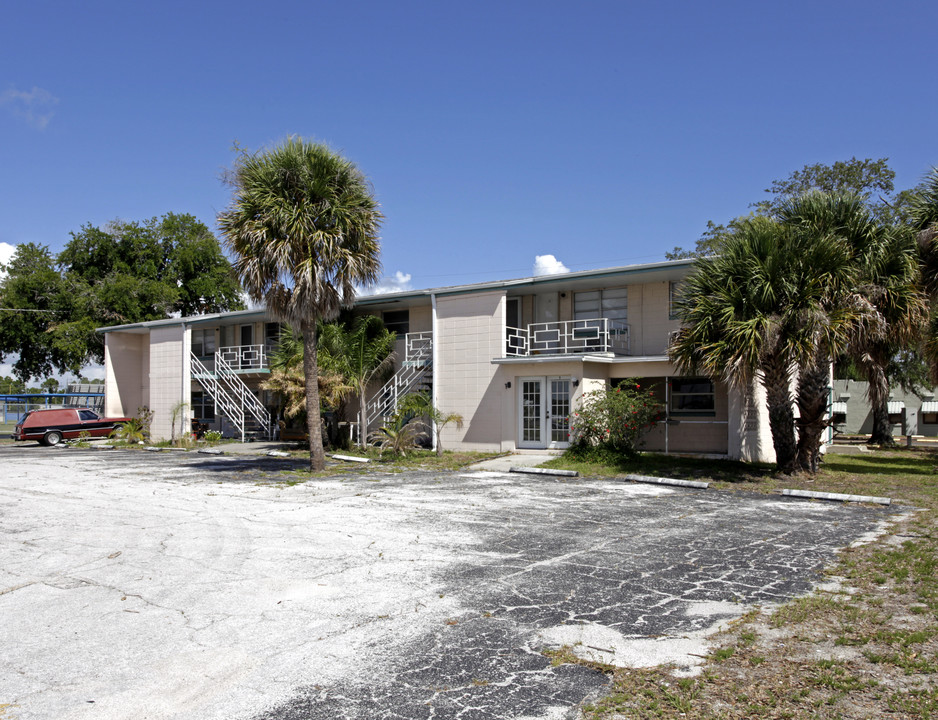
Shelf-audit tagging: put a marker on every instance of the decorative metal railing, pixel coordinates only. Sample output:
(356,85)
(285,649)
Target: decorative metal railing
(593,335)
(416,370)
(233,399)
(244,357)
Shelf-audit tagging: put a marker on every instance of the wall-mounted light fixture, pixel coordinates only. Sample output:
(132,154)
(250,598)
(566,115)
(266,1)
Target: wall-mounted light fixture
(508,385)
(575,383)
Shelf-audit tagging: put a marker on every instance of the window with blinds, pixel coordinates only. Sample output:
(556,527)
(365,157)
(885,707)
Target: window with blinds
(612,303)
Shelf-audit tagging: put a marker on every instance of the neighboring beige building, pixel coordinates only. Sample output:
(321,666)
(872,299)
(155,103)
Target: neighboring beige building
(512,357)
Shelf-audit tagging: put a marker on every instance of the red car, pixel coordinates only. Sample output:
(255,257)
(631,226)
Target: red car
(50,426)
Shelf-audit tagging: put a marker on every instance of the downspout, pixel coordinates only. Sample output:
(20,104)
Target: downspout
(667,410)
(434,392)
(184,374)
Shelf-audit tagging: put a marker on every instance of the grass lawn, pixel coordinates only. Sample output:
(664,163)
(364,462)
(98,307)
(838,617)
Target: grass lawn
(866,650)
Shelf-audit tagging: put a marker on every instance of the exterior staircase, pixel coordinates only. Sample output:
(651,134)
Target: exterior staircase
(414,375)
(233,399)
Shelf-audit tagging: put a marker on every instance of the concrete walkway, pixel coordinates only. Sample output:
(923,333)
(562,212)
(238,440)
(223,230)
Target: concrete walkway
(504,463)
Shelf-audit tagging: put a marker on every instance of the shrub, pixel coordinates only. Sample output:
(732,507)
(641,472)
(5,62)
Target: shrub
(212,436)
(615,419)
(131,431)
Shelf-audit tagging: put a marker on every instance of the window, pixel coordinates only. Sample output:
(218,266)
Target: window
(513,312)
(272,335)
(692,396)
(612,303)
(674,294)
(397,321)
(203,342)
(203,407)
(86,415)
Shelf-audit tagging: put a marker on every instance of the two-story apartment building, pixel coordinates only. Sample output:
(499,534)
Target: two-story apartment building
(512,357)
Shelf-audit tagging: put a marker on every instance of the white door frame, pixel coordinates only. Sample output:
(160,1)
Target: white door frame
(546,423)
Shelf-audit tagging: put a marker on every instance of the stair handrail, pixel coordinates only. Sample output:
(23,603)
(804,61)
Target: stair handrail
(417,365)
(243,393)
(223,400)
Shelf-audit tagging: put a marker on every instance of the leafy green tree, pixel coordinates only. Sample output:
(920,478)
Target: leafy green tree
(34,319)
(126,272)
(871,180)
(12,386)
(303,224)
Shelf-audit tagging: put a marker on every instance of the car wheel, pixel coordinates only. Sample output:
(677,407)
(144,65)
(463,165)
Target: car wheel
(53,438)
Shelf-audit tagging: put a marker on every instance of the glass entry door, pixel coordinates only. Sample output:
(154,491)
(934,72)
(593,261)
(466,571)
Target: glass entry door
(544,412)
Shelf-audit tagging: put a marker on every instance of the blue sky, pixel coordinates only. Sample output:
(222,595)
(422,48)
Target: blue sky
(602,133)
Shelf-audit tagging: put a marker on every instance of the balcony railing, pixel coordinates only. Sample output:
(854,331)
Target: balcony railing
(594,335)
(245,357)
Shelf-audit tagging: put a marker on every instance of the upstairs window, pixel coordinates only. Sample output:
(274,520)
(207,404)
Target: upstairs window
(203,342)
(272,333)
(612,303)
(674,294)
(397,321)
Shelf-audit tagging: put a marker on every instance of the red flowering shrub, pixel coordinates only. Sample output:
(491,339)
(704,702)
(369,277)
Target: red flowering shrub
(615,419)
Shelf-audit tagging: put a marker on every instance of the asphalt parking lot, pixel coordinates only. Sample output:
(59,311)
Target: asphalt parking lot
(167,585)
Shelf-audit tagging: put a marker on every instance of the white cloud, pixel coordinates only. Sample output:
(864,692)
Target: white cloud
(36,106)
(6,254)
(400,282)
(548,265)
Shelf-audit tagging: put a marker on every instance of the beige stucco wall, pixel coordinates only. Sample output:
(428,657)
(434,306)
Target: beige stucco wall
(421,318)
(168,367)
(649,324)
(469,334)
(127,373)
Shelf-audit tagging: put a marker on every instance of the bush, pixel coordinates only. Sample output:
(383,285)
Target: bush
(212,436)
(615,419)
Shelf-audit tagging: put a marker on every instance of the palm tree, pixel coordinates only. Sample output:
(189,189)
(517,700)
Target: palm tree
(361,353)
(891,281)
(834,233)
(287,380)
(924,221)
(421,404)
(303,224)
(739,325)
(763,308)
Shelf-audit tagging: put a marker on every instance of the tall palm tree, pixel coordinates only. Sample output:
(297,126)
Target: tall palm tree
(924,221)
(891,285)
(740,324)
(834,233)
(303,224)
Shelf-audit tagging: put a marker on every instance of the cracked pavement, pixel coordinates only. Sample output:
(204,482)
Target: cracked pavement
(170,585)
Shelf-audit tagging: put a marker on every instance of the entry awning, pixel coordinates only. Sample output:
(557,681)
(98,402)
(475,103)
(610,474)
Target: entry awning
(895,407)
(930,406)
(839,408)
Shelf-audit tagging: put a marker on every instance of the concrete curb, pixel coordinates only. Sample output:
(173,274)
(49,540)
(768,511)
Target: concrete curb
(350,458)
(543,471)
(837,496)
(153,448)
(668,481)
(211,451)
(277,453)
